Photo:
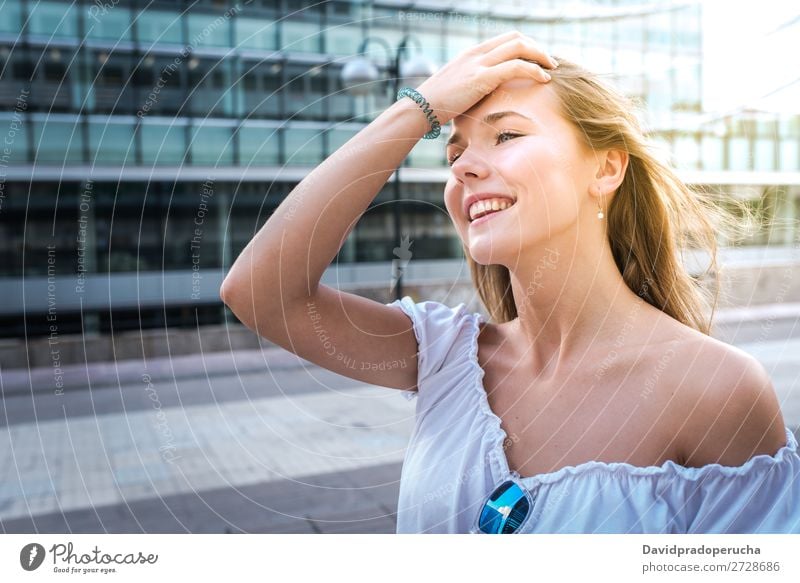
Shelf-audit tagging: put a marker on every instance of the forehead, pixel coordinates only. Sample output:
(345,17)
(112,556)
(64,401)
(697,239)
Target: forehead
(525,96)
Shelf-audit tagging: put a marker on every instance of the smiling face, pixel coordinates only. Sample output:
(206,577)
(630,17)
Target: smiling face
(541,163)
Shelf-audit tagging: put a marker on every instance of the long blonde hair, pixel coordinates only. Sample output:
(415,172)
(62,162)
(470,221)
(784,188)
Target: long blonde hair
(652,216)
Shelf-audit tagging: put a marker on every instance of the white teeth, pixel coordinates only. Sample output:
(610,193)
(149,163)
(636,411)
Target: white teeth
(483,206)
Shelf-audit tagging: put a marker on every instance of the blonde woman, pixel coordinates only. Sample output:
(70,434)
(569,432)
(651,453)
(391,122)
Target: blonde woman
(594,400)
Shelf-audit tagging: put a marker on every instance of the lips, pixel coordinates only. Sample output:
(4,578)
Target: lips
(483,218)
(473,198)
(485,208)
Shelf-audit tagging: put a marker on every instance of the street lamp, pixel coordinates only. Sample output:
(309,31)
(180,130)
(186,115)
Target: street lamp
(358,76)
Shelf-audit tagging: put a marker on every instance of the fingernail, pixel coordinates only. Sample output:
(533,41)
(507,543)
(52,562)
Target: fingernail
(554,62)
(547,76)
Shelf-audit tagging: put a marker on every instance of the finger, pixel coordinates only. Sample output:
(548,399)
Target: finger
(517,68)
(519,48)
(495,41)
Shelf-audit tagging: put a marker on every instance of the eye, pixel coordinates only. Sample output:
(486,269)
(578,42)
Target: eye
(506,133)
(499,135)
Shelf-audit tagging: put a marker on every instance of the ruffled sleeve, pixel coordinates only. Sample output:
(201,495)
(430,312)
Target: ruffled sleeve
(760,496)
(437,328)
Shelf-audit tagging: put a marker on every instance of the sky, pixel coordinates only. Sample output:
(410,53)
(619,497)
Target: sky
(743,61)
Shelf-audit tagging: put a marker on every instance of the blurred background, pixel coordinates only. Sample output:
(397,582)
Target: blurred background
(145,142)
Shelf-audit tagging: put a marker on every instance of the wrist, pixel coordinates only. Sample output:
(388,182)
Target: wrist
(430,115)
(410,111)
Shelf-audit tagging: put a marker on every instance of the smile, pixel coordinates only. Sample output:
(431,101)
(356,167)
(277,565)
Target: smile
(482,211)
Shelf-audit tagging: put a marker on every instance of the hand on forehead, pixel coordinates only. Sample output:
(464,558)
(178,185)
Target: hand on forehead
(515,92)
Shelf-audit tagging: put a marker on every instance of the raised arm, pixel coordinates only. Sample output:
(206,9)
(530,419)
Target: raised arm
(290,253)
(274,285)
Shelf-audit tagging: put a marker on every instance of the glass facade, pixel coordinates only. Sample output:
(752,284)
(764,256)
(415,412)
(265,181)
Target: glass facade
(176,90)
(248,62)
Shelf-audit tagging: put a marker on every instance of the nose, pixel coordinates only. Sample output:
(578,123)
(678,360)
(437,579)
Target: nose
(470,166)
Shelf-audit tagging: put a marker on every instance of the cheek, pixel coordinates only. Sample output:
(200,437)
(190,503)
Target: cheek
(451,198)
(543,178)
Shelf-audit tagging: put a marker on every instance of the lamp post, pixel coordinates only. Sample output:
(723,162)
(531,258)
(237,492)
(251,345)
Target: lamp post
(357,77)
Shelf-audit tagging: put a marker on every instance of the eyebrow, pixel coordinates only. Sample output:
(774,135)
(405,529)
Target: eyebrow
(488,119)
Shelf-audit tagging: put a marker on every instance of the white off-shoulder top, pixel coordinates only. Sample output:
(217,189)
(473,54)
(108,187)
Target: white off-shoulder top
(455,459)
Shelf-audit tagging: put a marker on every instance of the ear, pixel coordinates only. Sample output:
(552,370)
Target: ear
(611,172)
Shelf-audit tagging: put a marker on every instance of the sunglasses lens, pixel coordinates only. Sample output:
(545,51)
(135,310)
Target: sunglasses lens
(505,510)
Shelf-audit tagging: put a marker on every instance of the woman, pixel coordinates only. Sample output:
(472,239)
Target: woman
(595,401)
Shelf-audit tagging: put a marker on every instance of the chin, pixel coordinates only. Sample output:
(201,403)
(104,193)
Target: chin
(485,255)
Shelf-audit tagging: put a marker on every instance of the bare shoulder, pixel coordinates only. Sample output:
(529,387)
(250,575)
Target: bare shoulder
(729,411)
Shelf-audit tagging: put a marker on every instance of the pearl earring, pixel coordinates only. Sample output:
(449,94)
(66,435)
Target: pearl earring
(600,214)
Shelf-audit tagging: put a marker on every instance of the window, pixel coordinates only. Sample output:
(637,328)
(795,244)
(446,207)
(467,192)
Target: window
(250,82)
(212,145)
(790,161)
(210,83)
(343,38)
(10,16)
(109,89)
(659,30)
(687,80)
(301,8)
(109,24)
(52,19)
(208,30)
(21,67)
(337,138)
(15,139)
(301,36)
(712,153)
(58,141)
(111,75)
(304,96)
(55,71)
(256,33)
(303,146)
(163,143)
(159,85)
(687,151)
(183,246)
(765,154)
(739,154)
(51,88)
(121,212)
(340,102)
(261,82)
(344,10)
(111,142)
(144,74)
(258,145)
(158,26)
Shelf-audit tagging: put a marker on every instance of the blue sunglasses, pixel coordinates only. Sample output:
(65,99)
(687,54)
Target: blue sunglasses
(505,510)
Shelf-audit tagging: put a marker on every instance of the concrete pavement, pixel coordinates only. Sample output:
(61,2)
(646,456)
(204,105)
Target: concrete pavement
(162,453)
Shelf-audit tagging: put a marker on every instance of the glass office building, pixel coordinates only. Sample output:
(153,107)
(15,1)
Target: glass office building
(146,141)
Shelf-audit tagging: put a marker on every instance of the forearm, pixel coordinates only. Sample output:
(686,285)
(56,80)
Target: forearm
(288,256)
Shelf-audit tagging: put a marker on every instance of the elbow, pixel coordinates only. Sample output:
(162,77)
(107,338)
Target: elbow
(237,295)
(228,291)
(225,292)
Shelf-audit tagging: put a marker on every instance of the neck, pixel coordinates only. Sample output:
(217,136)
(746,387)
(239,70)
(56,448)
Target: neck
(569,302)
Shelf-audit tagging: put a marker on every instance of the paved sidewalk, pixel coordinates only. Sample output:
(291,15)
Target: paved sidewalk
(122,457)
(15,381)
(359,501)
